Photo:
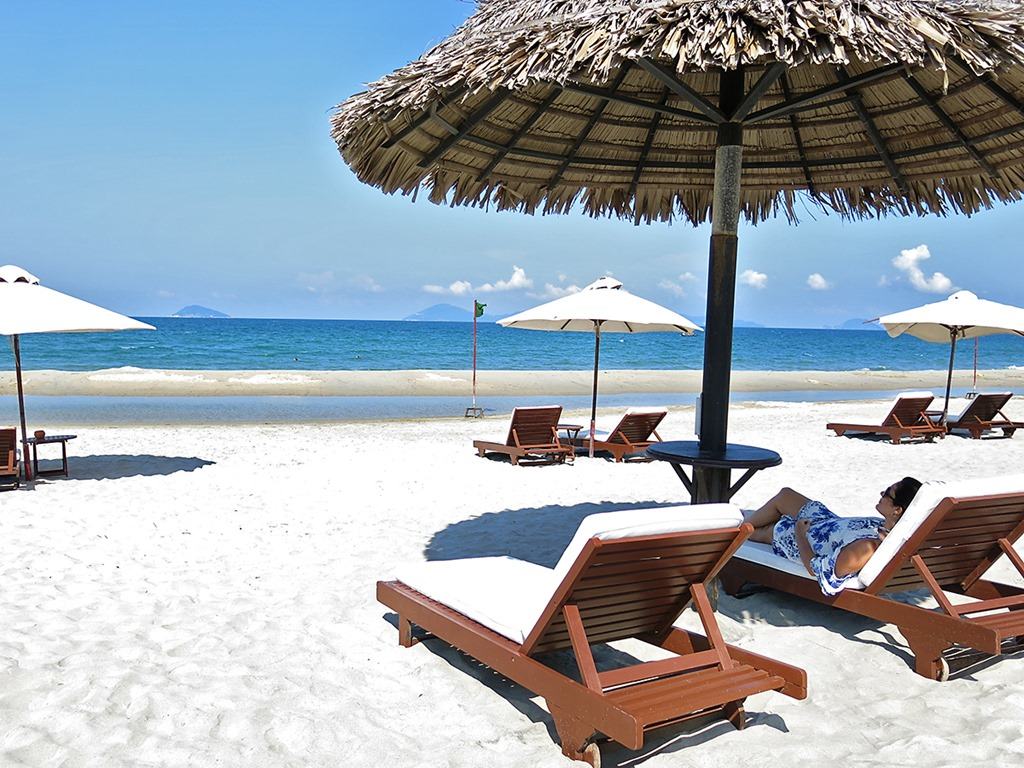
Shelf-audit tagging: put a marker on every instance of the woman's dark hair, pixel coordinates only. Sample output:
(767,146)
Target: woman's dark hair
(905,491)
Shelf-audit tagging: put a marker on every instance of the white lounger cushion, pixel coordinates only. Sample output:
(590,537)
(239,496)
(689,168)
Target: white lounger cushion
(509,595)
(928,497)
(502,593)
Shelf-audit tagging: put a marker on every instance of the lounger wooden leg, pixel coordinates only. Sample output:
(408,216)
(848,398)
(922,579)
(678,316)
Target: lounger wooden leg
(927,650)
(736,714)
(576,737)
(405,638)
(514,459)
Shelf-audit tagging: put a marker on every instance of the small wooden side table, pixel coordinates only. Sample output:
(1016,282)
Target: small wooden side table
(35,442)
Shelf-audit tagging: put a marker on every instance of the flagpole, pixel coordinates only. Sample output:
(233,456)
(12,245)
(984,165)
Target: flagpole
(474,353)
(474,410)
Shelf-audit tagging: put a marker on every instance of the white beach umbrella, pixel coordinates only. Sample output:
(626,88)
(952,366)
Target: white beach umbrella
(962,316)
(603,306)
(28,307)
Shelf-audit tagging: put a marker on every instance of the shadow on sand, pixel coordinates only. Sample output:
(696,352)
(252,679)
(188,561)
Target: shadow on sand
(661,741)
(116,466)
(536,534)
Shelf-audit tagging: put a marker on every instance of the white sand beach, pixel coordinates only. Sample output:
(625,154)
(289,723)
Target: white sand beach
(146,382)
(204,596)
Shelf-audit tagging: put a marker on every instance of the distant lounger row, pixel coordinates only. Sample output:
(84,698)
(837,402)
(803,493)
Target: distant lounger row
(630,574)
(911,417)
(535,434)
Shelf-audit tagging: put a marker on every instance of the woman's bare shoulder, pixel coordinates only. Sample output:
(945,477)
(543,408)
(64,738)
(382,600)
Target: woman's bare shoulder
(855,556)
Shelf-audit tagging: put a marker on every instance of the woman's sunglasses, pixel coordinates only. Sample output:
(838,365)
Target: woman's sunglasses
(887,494)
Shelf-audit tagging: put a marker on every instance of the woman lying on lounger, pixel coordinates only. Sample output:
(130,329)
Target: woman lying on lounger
(833,549)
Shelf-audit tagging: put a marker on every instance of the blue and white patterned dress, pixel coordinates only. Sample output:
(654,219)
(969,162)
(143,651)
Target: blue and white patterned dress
(827,535)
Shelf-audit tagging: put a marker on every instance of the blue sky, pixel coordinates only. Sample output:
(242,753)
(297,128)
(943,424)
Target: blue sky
(162,154)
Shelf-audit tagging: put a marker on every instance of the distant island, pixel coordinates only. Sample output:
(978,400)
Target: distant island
(444,313)
(860,325)
(194,310)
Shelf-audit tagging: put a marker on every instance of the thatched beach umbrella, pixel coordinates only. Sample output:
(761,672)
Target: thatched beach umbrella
(666,109)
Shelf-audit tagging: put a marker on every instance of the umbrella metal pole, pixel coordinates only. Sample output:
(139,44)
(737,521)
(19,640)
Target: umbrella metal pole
(949,377)
(16,343)
(593,399)
(712,484)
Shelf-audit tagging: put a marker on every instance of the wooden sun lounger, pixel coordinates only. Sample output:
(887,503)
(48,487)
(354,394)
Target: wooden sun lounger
(532,433)
(10,472)
(906,420)
(985,412)
(626,588)
(631,435)
(948,553)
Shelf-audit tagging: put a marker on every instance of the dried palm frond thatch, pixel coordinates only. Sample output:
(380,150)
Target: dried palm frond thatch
(870,106)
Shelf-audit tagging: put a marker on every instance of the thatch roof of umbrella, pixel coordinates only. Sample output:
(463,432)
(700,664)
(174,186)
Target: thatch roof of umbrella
(871,106)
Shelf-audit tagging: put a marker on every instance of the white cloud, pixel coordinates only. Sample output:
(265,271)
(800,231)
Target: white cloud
(884,281)
(366,283)
(677,288)
(555,291)
(165,294)
(517,281)
(816,282)
(754,279)
(316,282)
(909,262)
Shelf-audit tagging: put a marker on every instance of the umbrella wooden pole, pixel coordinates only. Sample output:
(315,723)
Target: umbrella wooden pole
(712,485)
(593,399)
(949,376)
(16,343)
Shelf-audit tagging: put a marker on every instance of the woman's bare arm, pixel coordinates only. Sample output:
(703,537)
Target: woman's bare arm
(806,553)
(855,556)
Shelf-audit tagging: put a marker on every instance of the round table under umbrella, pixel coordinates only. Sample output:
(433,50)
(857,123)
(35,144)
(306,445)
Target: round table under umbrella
(704,111)
(962,316)
(28,307)
(604,306)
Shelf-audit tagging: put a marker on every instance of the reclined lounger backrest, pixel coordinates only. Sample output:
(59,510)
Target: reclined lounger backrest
(636,570)
(984,407)
(972,515)
(907,409)
(534,425)
(637,426)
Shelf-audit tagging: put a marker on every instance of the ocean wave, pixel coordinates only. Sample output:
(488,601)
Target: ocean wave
(274,378)
(131,374)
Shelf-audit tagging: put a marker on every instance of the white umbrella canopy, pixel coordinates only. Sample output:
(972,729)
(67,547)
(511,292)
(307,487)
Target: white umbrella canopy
(607,303)
(962,316)
(603,306)
(28,307)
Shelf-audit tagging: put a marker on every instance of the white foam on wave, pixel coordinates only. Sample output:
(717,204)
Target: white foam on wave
(132,374)
(274,378)
(430,376)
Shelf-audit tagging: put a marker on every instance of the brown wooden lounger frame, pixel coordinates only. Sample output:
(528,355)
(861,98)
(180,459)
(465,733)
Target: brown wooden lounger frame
(532,433)
(10,472)
(949,553)
(626,588)
(981,416)
(631,436)
(906,420)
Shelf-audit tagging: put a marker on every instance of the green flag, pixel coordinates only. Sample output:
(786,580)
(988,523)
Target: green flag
(478,308)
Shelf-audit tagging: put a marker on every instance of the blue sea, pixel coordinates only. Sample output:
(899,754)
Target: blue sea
(262,344)
(350,345)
